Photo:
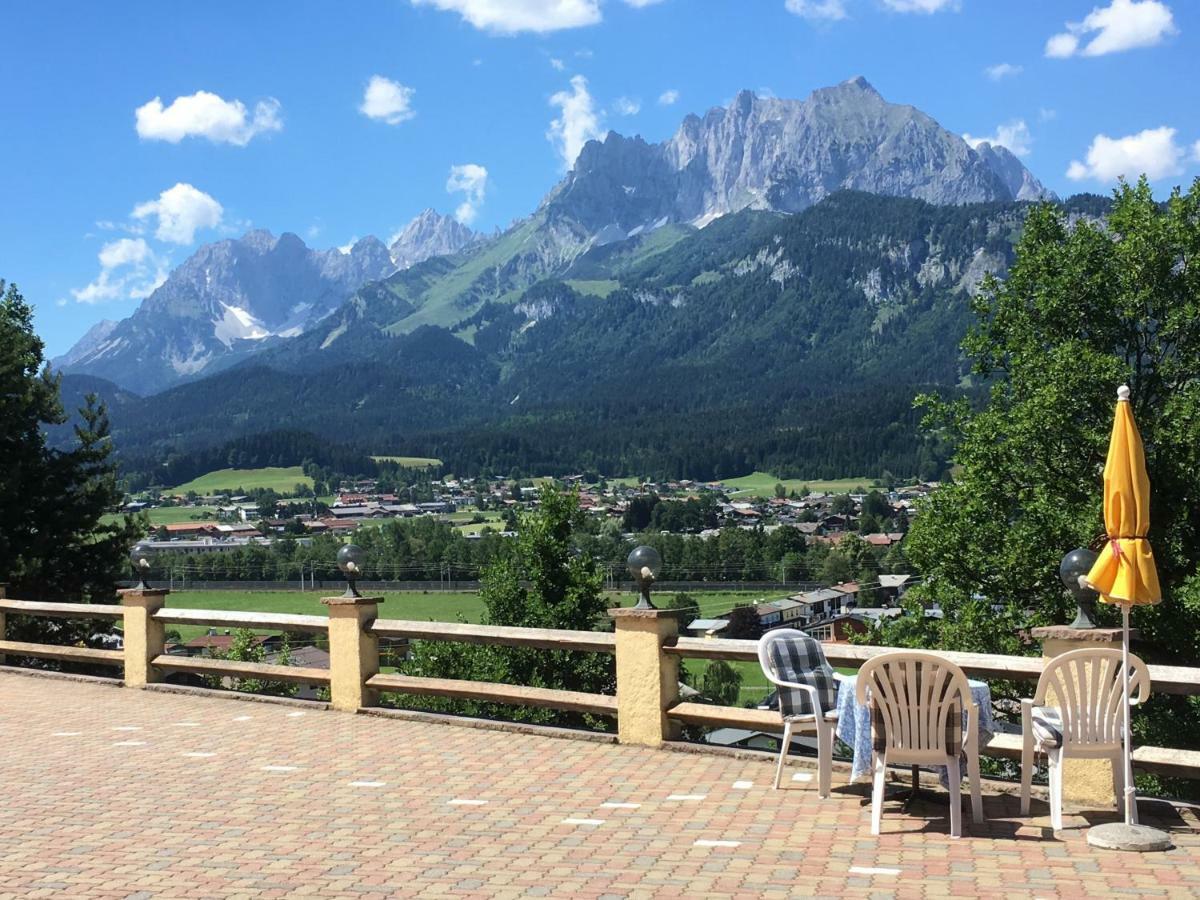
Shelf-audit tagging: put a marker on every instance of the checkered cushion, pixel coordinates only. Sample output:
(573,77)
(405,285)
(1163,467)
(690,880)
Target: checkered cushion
(1047,726)
(953,726)
(802,661)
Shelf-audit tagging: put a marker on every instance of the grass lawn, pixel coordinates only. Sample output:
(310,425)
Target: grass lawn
(410,462)
(435,605)
(172,515)
(762,484)
(280,479)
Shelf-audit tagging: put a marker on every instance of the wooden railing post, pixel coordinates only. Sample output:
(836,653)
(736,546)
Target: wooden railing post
(353,651)
(144,637)
(647,678)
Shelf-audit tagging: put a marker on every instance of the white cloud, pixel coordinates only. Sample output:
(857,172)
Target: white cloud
(557,64)
(641,4)
(345,248)
(129,270)
(1013,136)
(471,180)
(1122,25)
(181,211)
(624,106)
(920,6)
(1196,151)
(387,101)
(668,98)
(1045,114)
(830,10)
(206,115)
(1002,70)
(1152,152)
(513,16)
(578,121)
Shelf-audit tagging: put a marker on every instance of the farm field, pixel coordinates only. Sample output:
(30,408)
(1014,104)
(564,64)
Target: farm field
(435,606)
(410,462)
(280,479)
(762,484)
(172,515)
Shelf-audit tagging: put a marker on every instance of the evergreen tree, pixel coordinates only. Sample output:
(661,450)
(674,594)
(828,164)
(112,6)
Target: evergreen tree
(53,543)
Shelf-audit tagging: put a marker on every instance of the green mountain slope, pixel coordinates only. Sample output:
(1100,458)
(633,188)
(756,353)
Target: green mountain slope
(782,343)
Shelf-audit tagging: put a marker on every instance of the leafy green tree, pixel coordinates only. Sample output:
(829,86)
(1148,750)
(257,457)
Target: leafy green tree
(539,582)
(1086,306)
(842,505)
(722,683)
(54,544)
(687,603)
(244,648)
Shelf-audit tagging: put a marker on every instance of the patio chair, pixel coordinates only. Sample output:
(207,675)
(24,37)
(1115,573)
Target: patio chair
(916,701)
(1084,723)
(806,686)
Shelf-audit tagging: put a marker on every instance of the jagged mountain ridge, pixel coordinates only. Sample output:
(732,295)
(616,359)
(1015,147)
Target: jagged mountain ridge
(757,153)
(233,297)
(430,234)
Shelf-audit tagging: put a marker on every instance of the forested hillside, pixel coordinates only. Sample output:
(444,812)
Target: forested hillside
(793,344)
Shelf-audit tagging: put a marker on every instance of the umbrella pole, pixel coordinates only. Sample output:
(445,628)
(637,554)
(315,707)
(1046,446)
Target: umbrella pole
(1129,801)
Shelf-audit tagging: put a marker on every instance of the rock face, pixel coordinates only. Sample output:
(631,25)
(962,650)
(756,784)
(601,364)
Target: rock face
(783,155)
(226,300)
(86,344)
(1018,179)
(430,234)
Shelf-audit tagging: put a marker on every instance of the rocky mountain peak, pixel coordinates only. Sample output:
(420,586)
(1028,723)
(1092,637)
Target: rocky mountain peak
(429,234)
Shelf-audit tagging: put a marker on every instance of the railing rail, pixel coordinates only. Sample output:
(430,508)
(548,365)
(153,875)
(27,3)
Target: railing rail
(646,646)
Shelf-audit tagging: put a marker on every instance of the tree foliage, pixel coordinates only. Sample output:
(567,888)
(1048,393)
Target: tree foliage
(538,581)
(54,543)
(1087,306)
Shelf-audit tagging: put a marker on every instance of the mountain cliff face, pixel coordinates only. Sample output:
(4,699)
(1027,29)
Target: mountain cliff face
(86,344)
(224,301)
(430,234)
(782,155)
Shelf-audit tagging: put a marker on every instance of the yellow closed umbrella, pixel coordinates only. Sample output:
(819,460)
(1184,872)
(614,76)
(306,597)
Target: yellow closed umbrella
(1125,573)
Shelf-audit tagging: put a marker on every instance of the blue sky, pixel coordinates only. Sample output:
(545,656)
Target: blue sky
(101,201)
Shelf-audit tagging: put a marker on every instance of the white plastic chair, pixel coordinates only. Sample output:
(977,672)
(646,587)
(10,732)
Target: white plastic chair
(917,701)
(1085,723)
(825,720)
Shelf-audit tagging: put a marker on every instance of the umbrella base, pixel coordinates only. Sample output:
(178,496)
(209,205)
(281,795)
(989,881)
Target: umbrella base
(1133,838)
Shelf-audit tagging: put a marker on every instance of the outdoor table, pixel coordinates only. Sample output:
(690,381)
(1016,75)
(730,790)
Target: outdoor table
(854,723)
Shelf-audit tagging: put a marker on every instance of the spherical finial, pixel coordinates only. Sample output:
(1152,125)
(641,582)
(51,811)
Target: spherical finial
(1123,392)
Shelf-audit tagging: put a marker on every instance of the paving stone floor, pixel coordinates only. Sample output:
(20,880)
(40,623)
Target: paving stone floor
(113,792)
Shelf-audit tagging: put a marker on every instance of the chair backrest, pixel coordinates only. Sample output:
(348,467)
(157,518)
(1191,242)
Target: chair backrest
(916,702)
(1086,688)
(786,654)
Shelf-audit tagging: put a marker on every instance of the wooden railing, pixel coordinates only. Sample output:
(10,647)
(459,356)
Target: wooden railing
(647,650)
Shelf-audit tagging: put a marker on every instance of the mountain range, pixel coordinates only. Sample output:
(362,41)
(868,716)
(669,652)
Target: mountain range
(835,236)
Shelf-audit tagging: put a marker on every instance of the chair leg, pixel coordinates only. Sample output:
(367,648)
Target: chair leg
(954,771)
(1118,780)
(784,746)
(1027,764)
(824,759)
(1054,759)
(877,793)
(976,794)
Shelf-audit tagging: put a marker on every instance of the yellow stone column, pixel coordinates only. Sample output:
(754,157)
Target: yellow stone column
(1087,783)
(647,678)
(353,651)
(144,637)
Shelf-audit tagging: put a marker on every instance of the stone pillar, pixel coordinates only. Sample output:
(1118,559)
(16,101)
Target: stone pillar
(1086,782)
(647,678)
(353,651)
(144,637)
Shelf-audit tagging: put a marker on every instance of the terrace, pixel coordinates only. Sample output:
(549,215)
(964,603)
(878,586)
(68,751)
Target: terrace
(184,792)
